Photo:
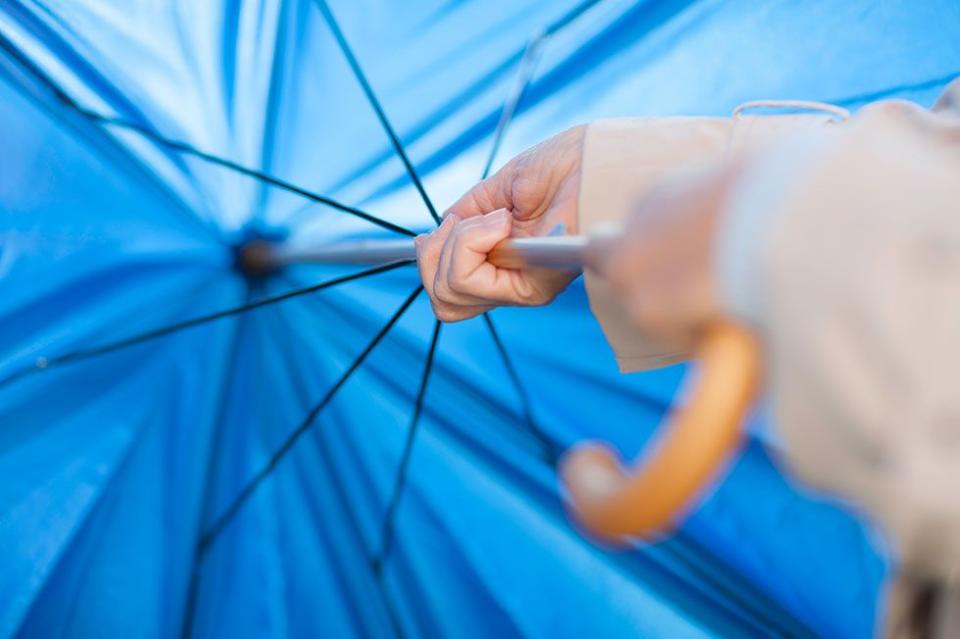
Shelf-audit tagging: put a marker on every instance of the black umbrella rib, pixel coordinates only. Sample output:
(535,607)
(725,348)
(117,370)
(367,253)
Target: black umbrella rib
(376,105)
(524,75)
(550,449)
(266,178)
(525,72)
(399,482)
(67,101)
(43,364)
(352,522)
(220,524)
(526,69)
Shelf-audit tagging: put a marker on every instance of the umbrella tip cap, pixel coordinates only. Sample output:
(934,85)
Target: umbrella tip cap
(255,259)
(254,251)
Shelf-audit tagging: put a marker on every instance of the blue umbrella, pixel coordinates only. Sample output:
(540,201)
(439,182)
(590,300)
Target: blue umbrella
(191,448)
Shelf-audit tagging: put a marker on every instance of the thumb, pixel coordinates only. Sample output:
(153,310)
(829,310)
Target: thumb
(466,267)
(464,272)
(489,195)
(479,235)
(466,277)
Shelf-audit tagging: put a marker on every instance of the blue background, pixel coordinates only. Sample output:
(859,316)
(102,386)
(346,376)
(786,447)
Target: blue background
(113,466)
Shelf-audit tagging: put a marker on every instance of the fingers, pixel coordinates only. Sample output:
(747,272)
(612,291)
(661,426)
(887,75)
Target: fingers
(489,195)
(429,249)
(533,193)
(458,277)
(429,246)
(464,275)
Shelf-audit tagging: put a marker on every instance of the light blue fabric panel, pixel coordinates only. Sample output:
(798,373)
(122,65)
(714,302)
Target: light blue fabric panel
(103,462)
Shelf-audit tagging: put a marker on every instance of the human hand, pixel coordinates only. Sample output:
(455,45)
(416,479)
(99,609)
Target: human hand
(531,195)
(662,265)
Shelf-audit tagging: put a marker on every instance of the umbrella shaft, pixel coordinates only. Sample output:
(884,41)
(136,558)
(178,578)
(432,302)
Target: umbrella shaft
(564,252)
(350,252)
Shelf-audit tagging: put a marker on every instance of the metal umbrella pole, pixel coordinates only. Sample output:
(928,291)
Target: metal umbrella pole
(560,252)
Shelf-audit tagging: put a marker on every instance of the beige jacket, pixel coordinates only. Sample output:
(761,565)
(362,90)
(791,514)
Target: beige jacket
(855,277)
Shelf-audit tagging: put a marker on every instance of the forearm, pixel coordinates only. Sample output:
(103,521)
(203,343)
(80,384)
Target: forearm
(850,270)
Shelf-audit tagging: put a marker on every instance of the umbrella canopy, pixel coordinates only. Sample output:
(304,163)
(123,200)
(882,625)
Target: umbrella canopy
(188,449)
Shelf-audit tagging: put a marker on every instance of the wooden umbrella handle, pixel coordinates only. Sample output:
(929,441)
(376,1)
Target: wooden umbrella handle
(691,449)
(689,453)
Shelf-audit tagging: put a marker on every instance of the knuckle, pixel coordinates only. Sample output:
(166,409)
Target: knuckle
(527,297)
(459,285)
(449,315)
(545,297)
(529,294)
(442,291)
(443,313)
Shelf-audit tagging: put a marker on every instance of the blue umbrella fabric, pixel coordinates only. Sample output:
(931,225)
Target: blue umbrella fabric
(188,450)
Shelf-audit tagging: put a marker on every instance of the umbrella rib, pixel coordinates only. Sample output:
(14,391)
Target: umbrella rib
(525,71)
(550,451)
(570,16)
(67,101)
(43,364)
(346,504)
(190,606)
(261,176)
(376,105)
(399,482)
(525,74)
(220,524)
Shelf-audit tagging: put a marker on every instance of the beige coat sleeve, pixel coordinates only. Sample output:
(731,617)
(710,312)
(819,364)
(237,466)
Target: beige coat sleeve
(859,289)
(624,158)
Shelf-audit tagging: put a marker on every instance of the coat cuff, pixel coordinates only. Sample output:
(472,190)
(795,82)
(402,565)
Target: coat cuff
(622,160)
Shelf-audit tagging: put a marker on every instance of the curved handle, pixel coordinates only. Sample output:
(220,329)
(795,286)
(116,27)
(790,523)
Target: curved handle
(691,448)
(689,453)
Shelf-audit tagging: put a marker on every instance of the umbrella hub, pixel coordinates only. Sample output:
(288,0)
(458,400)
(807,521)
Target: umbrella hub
(255,260)
(254,254)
